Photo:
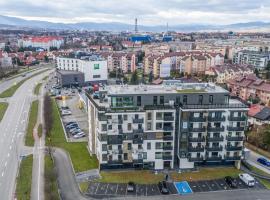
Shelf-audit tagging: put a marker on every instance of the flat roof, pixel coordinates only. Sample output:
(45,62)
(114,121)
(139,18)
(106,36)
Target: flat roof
(68,72)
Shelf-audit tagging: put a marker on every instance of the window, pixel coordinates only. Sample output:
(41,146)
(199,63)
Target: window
(144,155)
(158,145)
(139,146)
(104,147)
(119,157)
(129,126)
(96,76)
(96,66)
(104,127)
(155,100)
(129,146)
(185,99)
(148,145)
(200,99)
(119,147)
(139,100)
(211,99)
(158,126)
(110,147)
(149,126)
(125,156)
(136,116)
(125,117)
(104,157)
(110,127)
(161,100)
(149,116)
(119,127)
(158,155)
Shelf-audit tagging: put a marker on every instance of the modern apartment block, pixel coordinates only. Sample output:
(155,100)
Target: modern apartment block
(174,125)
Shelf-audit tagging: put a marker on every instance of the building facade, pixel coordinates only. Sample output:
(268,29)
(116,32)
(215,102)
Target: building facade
(44,42)
(165,126)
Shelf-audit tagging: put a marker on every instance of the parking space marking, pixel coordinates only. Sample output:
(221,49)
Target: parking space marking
(141,190)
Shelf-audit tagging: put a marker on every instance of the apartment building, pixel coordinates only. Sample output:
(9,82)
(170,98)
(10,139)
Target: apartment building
(257,59)
(44,42)
(174,125)
(94,67)
(246,87)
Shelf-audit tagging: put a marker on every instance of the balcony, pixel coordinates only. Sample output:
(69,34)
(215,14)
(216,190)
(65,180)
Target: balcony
(114,141)
(215,139)
(213,158)
(196,149)
(168,118)
(115,162)
(196,139)
(219,148)
(137,121)
(195,159)
(235,138)
(166,157)
(167,147)
(137,161)
(202,129)
(241,118)
(167,138)
(238,128)
(232,158)
(215,129)
(216,119)
(167,128)
(140,130)
(234,148)
(197,119)
(138,140)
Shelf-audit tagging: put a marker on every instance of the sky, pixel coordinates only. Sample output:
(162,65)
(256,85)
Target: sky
(148,12)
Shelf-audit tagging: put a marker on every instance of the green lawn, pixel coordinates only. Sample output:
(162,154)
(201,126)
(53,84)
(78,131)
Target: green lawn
(3,108)
(40,130)
(84,186)
(51,187)
(266,183)
(24,179)
(78,152)
(29,139)
(37,88)
(10,91)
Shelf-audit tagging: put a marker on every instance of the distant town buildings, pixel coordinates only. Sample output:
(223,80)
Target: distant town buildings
(44,42)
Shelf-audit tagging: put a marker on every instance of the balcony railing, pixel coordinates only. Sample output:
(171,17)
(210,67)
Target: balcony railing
(195,159)
(137,161)
(216,119)
(213,158)
(197,119)
(234,148)
(232,158)
(167,137)
(140,130)
(137,121)
(241,118)
(115,162)
(196,149)
(235,138)
(167,157)
(202,129)
(213,148)
(167,128)
(238,128)
(169,147)
(196,139)
(138,140)
(168,118)
(215,129)
(215,139)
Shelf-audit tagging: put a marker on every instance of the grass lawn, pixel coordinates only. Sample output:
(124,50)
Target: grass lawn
(29,139)
(40,130)
(24,179)
(37,88)
(84,186)
(3,108)
(51,187)
(10,91)
(266,183)
(78,152)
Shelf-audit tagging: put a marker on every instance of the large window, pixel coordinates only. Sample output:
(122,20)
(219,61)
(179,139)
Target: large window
(96,66)
(122,101)
(139,100)
(96,76)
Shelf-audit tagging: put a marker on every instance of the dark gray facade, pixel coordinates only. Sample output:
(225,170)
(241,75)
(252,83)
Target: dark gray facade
(70,78)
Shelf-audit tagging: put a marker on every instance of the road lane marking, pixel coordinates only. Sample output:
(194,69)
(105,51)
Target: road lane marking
(3,174)
(5,163)
(8,155)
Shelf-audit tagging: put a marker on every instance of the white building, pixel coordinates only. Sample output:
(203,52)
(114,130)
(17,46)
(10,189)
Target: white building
(5,60)
(94,67)
(44,42)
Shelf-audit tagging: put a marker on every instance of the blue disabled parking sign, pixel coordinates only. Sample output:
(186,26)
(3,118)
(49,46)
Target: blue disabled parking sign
(183,187)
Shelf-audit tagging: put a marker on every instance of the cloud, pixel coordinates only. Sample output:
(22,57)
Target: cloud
(149,12)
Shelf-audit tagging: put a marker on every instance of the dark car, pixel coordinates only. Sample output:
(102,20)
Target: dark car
(230,181)
(163,188)
(263,161)
(131,187)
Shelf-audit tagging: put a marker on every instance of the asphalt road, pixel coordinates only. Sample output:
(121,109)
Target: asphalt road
(12,133)
(252,160)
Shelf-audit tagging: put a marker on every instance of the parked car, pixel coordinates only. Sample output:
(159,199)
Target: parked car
(263,161)
(71,126)
(131,187)
(70,123)
(163,188)
(75,132)
(247,179)
(64,108)
(59,97)
(66,112)
(230,181)
(79,135)
(75,129)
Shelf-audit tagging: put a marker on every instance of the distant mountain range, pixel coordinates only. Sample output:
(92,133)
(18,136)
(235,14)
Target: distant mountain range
(18,23)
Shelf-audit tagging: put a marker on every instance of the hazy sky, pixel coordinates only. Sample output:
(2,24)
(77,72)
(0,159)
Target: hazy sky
(148,12)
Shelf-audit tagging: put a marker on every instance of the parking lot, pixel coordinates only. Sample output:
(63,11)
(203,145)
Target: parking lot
(114,189)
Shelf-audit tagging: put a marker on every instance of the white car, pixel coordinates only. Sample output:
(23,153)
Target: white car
(66,112)
(79,135)
(247,179)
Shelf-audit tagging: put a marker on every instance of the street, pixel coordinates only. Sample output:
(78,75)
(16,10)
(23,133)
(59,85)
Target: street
(252,160)
(12,128)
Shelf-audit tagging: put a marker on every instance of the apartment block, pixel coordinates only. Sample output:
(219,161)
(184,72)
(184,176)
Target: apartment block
(170,126)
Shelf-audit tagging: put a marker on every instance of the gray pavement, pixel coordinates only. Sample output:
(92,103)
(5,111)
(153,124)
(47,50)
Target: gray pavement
(252,160)
(12,133)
